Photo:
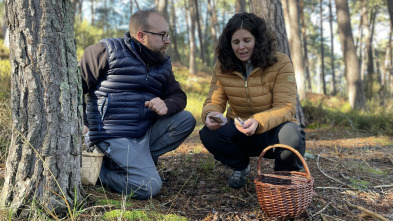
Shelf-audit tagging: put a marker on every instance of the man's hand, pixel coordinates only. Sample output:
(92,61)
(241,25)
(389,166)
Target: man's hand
(85,129)
(248,127)
(157,105)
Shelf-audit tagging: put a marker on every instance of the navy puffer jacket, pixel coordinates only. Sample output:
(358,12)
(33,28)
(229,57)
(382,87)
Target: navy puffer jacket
(117,106)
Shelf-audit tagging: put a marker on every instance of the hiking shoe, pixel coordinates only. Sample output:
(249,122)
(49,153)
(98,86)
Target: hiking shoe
(238,178)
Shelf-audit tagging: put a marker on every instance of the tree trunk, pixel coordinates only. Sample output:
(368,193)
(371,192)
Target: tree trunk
(271,11)
(388,66)
(77,6)
(368,49)
(174,33)
(355,87)
(92,11)
(211,7)
(200,34)
(292,18)
(332,49)
(162,8)
(192,68)
(304,35)
(137,5)
(390,9)
(322,49)
(45,152)
(240,6)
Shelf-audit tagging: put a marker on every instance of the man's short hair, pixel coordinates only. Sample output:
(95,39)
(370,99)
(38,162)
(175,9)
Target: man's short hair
(139,21)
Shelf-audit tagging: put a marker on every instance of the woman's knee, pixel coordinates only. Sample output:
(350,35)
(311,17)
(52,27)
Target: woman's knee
(293,135)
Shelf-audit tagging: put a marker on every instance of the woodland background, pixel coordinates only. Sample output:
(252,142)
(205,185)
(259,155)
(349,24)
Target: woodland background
(345,85)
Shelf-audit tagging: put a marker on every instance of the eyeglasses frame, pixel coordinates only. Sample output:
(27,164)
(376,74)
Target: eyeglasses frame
(161,34)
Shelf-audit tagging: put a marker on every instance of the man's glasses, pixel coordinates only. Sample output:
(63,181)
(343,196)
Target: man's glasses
(165,36)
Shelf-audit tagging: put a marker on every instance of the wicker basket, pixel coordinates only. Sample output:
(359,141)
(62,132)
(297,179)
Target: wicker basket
(284,194)
(91,166)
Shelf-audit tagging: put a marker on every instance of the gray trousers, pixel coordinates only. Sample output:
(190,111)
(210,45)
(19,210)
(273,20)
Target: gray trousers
(129,165)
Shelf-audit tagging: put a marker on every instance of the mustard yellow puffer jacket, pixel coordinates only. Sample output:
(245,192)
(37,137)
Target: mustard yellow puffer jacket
(268,96)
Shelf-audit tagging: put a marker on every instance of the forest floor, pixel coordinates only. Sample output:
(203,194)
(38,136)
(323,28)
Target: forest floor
(352,172)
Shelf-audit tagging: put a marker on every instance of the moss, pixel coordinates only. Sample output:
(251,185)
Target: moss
(141,215)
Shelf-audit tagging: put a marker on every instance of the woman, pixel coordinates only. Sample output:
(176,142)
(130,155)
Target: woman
(256,85)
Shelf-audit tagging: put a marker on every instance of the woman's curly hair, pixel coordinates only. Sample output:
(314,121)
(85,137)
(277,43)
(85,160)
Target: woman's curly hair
(264,54)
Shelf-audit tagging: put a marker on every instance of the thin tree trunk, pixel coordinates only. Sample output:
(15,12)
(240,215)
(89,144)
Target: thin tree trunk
(45,152)
(161,6)
(137,5)
(92,10)
(304,34)
(298,58)
(355,87)
(332,49)
(174,32)
(390,10)
(211,7)
(292,18)
(322,49)
(389,63)
(192,69)
(240,6)
(200,34)
(368,41)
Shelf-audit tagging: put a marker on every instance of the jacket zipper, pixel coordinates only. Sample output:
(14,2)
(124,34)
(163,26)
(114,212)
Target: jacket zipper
(147,72)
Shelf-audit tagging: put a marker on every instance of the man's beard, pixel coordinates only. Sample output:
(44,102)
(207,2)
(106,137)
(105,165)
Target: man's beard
(154,56)
(161,56)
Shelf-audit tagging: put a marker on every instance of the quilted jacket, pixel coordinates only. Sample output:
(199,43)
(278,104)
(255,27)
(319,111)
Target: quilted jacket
(116,107)
(268,96)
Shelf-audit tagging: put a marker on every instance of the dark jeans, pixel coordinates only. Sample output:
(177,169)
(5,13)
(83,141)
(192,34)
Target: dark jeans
(234,148)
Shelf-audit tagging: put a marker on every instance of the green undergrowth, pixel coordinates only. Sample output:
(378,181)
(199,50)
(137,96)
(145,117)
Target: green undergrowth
(374,119)
(145,215)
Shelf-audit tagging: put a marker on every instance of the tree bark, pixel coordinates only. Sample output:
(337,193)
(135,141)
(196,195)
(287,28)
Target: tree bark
(92,11)
(368,49)
(271,11)
(304,35)
(192,68)
(211,7)
(332,49)
(162,8)
(356,95)
(200,34)
(240,6)
(173,33)
(322,49)
(45,151)
(390,9)
(292,18)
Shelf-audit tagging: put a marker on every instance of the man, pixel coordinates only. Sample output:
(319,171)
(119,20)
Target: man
(134,110)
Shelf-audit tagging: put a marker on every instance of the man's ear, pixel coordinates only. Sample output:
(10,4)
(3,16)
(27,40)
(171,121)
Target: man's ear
(139,37)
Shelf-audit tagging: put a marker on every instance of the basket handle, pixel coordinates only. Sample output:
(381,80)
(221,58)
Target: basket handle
(285,147)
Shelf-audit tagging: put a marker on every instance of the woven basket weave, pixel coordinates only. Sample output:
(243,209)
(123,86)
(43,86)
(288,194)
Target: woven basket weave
(91,166)
(284,194)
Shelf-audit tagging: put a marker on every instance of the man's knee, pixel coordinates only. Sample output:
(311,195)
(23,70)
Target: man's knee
(146,191)
(187,119)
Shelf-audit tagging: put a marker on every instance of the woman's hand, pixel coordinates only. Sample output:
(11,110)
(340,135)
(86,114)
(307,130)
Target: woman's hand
(210,123)
(248,127)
